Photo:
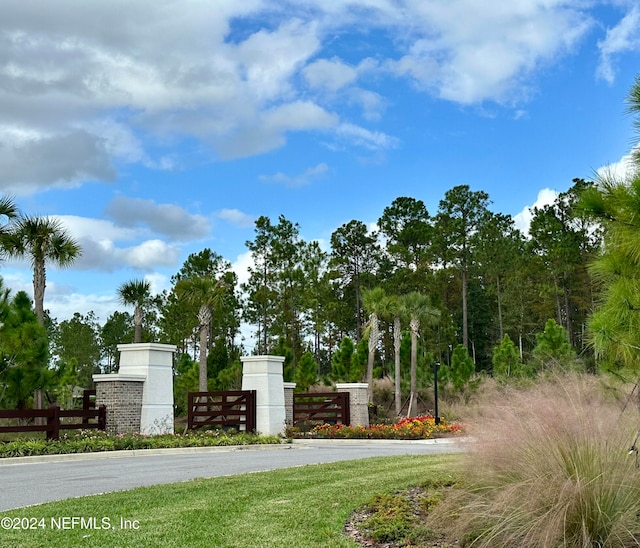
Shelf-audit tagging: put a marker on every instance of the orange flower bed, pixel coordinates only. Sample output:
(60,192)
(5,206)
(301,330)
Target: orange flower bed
(414,428)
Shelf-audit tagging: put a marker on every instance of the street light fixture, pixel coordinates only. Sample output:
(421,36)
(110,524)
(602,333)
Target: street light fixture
(436,365)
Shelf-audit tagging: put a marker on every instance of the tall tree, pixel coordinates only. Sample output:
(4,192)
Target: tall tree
(459,218)
(260,288)
(289,250)
(179,318)
(392,309)
(614,327)
(23,352)
(374,302)
(317,294)
(344,364)
(307,372)
(118,328)
(419,310)
(563,242)
(136,293)
(5,308)
(42,239)
(276,287)
(207,293)
(633,102)
(499,245)
(78,340)
(353,255)
(407,230)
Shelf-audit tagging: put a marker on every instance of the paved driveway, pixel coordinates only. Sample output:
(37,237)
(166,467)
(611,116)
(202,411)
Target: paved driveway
(34,480)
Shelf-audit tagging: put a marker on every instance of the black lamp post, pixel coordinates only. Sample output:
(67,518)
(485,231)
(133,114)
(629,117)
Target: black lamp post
(435,390)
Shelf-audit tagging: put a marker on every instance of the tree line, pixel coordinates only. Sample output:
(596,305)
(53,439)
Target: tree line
(402,296)
(461,287)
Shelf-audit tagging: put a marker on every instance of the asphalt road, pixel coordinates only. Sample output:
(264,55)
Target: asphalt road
(34,480)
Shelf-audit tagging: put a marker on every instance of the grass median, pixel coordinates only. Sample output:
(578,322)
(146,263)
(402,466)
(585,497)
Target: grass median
(305,506)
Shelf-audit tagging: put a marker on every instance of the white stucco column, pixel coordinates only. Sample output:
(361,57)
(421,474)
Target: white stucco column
(264,375)
(155,362)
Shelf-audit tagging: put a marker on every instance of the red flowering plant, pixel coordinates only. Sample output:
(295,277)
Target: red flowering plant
(410,428)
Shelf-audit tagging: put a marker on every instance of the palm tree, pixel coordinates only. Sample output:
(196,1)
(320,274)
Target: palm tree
(205,292)
(42,239)
(418,309)
(135,293)
(373,302)
(392,308)
(8,212)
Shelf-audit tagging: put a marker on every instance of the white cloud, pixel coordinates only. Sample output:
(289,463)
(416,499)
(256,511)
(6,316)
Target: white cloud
(98,229)
(84,86)
(623,169)
(523,219)
(371,140)
(299,115)
(166,219)
(157,282)
(625,36)
(268,130)
(121,143)
(62,301)
(64,306)
(102,248)
(468,51)
(331,74)
(159,68)
(269,59)
(372,104)
(241,266)
(236,217)
(295,181)
(30,161)
(151,254)
(106,256)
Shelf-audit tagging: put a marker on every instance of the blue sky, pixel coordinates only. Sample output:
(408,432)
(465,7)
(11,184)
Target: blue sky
(154,129)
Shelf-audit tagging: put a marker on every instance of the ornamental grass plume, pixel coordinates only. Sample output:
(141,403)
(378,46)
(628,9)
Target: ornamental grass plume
(550,466)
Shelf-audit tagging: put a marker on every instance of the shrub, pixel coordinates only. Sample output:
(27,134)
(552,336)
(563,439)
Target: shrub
(87,441)
(306,372)
(506,359)
(550,467)
(553,349)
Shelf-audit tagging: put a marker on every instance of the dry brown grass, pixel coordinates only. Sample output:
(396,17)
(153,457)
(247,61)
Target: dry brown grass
(550,466)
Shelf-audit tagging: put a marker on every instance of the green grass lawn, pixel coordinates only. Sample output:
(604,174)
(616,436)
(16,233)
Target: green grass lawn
(304,506)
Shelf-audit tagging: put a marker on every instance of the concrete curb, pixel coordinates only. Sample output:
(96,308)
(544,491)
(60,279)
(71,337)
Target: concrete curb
(432,441)
(295,444)
(140,453)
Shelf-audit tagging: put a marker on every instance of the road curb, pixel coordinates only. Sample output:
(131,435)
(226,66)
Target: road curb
(140,453)
(294,444)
